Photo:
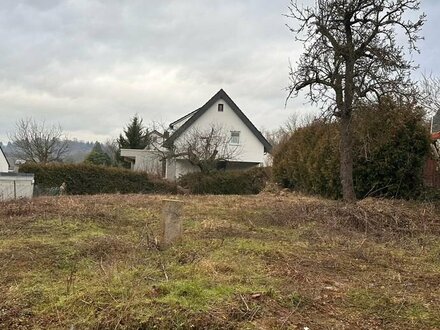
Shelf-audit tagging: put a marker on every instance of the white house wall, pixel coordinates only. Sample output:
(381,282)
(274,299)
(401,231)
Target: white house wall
(170,170)
(250,148)
(183,167)
(4,166)
(144,160)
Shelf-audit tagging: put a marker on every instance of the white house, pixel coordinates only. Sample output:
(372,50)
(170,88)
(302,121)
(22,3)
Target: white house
(220,111)
(4,164)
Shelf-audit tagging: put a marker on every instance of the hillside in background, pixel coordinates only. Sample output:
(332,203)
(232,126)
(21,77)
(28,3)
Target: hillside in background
(78,150)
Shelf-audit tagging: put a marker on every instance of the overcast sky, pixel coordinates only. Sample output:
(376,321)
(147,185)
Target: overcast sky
(92,64)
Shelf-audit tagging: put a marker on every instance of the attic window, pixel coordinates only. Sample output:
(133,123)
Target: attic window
(220,107)
(235,137)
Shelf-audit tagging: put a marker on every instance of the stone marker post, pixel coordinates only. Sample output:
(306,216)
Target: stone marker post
(172,228)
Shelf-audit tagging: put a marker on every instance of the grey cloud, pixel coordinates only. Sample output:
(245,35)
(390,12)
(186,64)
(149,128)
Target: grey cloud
(91,64)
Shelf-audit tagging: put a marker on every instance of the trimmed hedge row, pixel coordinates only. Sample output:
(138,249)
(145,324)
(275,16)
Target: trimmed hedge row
(226,182)
(83,179)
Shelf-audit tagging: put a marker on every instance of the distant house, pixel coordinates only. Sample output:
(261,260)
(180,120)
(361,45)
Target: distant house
(221,111)
(4,164)
(156,139)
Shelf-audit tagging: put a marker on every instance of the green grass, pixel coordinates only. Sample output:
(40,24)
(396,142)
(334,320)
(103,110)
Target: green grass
(244,262)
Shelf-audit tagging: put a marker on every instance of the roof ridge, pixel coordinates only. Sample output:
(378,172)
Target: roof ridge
(221,94)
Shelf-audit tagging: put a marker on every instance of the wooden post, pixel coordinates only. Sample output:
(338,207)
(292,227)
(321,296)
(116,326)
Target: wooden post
(172,228)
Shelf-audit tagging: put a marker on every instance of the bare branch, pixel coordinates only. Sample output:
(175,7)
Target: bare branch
(35,142)
(338,32)
(350,56)
(430,94)
(205,148)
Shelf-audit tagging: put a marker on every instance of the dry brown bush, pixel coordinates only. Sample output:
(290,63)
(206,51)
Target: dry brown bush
(375,216)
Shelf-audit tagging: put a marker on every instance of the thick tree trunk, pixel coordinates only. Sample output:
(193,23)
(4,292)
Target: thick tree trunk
(346,162)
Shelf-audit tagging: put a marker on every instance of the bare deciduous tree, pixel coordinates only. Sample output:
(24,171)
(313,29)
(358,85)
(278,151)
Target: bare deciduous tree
(351,54)
(111,148)
(293,122)
(205,148)
(37,142)
(430,94)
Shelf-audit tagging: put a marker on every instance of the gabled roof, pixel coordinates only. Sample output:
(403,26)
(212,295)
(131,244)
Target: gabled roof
(183,118)
(155,132)
(196,114)
(7,161)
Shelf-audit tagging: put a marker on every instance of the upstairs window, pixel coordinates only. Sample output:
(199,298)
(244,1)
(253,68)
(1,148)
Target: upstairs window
(220,107)
(235,137)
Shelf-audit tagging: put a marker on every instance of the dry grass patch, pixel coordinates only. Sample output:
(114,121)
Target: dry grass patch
(245,262)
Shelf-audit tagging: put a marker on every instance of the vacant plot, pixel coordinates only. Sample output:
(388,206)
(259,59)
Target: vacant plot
(245,262)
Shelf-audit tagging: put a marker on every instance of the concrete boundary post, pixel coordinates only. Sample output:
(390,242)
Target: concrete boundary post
(172,228)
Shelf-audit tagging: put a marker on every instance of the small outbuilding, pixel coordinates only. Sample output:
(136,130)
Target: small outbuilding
(14,185)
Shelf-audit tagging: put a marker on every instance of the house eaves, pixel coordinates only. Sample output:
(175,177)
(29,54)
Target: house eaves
(196,114)
(186,117)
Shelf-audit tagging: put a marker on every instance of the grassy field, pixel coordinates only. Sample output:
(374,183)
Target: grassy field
(255,262)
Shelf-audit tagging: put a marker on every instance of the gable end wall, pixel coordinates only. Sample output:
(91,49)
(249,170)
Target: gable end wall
(251,149)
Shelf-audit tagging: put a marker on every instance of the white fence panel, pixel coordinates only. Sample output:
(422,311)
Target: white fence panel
(16,185)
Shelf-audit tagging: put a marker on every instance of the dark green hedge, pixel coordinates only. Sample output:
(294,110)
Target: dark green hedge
(227,182)
(390,146)
(83,179)
(309,160)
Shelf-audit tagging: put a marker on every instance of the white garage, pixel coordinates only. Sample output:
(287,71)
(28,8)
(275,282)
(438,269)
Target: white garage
(16,186)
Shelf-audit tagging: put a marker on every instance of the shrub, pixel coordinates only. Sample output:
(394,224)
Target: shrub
(390,146)
(82,179)
(308,160)
(97,156)
(226,182)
